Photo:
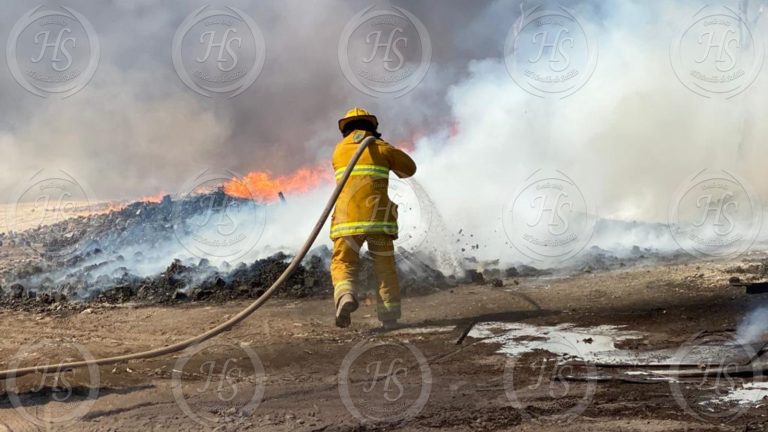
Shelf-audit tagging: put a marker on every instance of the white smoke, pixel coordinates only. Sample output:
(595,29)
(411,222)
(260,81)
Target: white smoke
(629,138)
(753,327)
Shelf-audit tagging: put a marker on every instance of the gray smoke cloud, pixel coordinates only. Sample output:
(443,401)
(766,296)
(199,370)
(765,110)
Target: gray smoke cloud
(136,130)
(628,138)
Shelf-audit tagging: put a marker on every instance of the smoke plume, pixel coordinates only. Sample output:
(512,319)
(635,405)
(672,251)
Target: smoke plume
(629,138)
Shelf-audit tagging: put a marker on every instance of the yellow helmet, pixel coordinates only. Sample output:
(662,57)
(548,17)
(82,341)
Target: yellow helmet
(357,114)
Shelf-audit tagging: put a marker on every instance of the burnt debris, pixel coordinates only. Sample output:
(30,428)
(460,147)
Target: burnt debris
(103,258)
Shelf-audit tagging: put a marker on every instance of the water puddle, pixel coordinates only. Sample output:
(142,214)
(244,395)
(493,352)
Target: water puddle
(750,393)
(587,343)
(598,345)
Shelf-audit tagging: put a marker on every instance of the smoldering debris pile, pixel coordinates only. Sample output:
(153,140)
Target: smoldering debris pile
(201,281)
(178,283)
(596,259)
(143,224)
(103,258)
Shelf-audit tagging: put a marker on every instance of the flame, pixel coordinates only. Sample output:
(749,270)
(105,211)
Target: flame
(264,187)
(152,198)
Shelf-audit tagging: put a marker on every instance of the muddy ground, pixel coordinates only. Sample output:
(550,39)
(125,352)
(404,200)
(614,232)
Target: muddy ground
(288,368)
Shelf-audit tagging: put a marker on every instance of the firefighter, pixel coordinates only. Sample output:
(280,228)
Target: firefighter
(365,214)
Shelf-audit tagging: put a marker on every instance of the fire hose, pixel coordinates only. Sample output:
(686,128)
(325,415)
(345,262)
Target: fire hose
(242,315)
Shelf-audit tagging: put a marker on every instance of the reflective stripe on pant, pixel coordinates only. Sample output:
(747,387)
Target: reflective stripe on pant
(345,264)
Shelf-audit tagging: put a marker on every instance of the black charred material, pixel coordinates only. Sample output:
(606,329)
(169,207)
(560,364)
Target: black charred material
(200,282)
(109,250)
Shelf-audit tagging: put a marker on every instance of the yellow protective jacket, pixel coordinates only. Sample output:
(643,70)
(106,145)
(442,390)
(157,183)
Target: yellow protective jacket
(364,206)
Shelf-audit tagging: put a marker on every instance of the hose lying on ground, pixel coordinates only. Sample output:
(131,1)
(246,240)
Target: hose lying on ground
(245,313)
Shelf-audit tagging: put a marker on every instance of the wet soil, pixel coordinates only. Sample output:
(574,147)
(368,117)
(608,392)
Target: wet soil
(301,356)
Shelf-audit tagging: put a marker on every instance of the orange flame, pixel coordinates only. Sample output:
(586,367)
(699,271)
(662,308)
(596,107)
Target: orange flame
(152,198)
(264,187)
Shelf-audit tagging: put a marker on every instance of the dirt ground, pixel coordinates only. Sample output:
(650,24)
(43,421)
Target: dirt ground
(288,368)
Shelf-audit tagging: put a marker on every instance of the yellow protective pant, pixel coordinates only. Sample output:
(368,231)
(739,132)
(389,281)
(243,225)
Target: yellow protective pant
(345,264)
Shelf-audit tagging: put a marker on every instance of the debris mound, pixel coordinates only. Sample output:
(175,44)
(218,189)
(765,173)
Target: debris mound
(103,258)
